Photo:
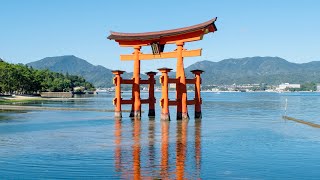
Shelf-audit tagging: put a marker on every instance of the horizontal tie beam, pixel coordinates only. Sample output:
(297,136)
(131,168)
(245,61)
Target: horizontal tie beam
(144,82)
(191,102)
(130,81)
(126,81)
(145,101)
(163,55)
(172,80)
(190,81)
(126,101)
(173,103)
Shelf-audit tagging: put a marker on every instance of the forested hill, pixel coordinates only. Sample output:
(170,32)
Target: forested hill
(98,75)
(21,79)
(271,70)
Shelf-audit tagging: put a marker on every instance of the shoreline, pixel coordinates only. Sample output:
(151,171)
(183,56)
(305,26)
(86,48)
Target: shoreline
(18,98)
(41,108)
(12,104)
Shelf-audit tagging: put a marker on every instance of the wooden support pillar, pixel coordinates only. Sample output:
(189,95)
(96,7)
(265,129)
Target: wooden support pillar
(197,97)
(117,99)
(132,105)
(152,99)
(181,88)
(164,102)
(136,83)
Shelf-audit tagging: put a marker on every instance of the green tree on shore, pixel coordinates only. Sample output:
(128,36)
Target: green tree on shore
(21,79)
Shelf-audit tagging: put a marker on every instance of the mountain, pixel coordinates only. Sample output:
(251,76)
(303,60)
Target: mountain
(270,70)
(98,75)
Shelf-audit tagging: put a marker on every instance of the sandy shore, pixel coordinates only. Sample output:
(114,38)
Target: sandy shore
(17,98)
(41,108)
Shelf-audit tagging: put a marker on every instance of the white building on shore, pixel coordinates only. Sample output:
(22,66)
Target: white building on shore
(285,86)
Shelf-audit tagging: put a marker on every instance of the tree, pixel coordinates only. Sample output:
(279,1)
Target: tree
(310,86)
(21,79)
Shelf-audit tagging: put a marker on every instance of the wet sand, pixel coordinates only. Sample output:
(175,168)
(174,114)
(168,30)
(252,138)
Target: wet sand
(41,108)
(17,98)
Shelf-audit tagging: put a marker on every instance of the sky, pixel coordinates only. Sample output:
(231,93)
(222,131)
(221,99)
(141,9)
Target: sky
(34,29)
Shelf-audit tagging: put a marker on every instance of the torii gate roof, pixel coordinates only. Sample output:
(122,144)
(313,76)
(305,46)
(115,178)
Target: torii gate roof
(186,34)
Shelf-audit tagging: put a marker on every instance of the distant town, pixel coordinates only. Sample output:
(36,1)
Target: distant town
(284,87)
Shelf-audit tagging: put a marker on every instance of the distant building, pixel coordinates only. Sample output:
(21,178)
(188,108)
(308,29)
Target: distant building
(318,87)
(288,86)
(215,89)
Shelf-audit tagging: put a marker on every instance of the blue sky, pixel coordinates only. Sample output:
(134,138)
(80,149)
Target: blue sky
(34,29)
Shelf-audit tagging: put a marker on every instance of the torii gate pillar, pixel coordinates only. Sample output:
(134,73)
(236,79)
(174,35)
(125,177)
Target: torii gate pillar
(136,83)
(181,88)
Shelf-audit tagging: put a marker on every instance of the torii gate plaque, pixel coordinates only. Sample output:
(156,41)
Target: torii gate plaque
(157,41)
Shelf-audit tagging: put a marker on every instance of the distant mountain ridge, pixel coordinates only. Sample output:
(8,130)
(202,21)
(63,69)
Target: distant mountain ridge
(271,70)
(98,75)
(249,70)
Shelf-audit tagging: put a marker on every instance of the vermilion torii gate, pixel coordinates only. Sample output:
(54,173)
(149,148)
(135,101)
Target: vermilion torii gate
(157,41)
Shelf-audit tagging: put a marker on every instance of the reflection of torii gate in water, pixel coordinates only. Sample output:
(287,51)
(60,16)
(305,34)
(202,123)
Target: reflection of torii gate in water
(173,165)
(158,40)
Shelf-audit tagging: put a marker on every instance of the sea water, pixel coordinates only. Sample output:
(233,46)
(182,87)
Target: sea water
(241,136)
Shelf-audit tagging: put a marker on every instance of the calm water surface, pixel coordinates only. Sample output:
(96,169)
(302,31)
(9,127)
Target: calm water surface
(241,136)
